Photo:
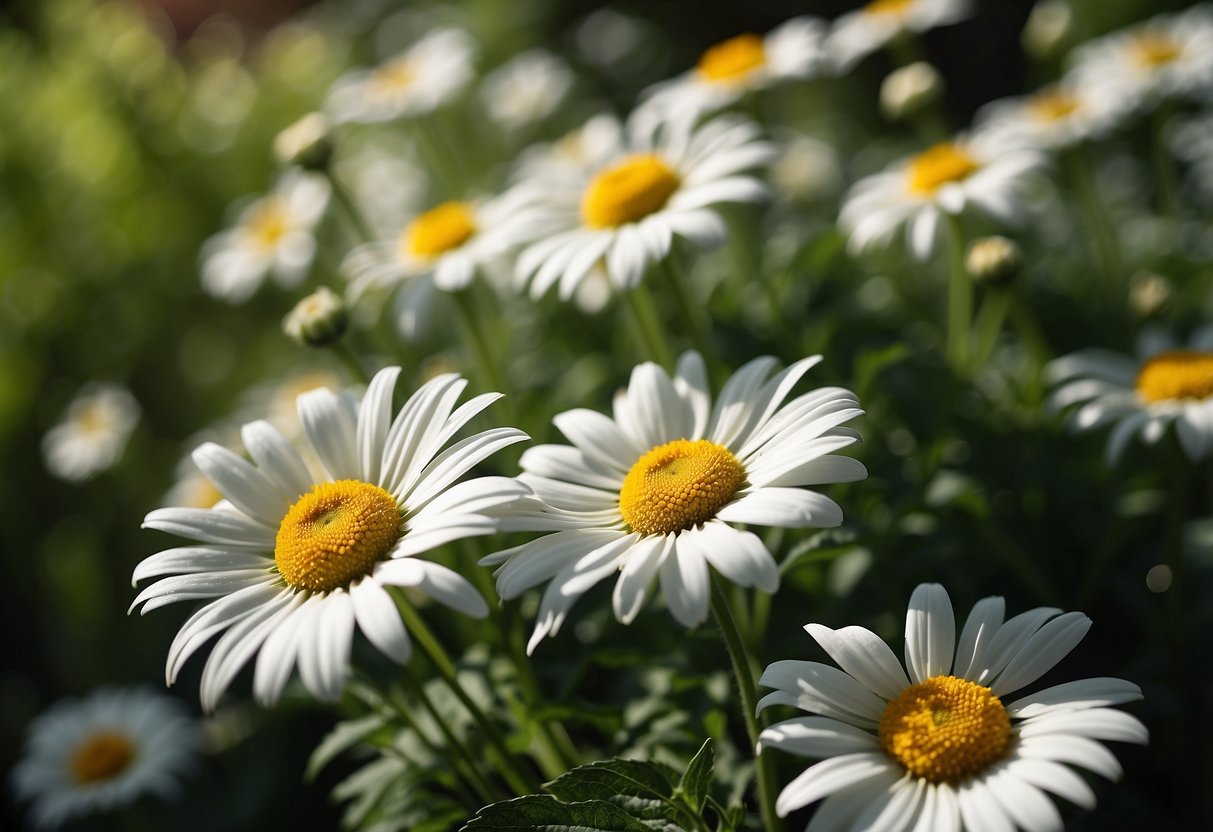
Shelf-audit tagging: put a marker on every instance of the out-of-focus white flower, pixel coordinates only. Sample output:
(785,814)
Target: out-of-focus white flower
(1052,118)
(306,143)
(806,169)
(1049,29)
(574,155)
(865,30)
(944,179)
(421,79)
(526,89)
(93,433)
(907,90)
(274,236)
(744,63)
(103,752)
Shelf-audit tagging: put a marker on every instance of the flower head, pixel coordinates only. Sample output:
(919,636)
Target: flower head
(295,558)
(526,89)
(93,433)
(934,744)
(865,30)
(103,752)
(653,491)
(1165,383)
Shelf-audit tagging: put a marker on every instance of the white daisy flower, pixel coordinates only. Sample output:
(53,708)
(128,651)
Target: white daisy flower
(1133,69)
(938,749)
(742,64)
(1052,118)
(575,155)
(653,491)
(661,182)
(1166,383)
(427,75)
(944,179)
(526,89)
(442,248)
(858,33)
(103,752)
(273,235)
(93,433)
(296,559)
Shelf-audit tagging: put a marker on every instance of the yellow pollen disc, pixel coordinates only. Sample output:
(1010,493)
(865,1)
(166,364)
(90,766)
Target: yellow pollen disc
(679,485)
(335,534)
(891,7)
(945,729)
(1052,105)
(267,224)
(631,190)
(733,60)
(937,166)
(394,76)
(102,756)
(1176,374)
(1153,50)
(439,230)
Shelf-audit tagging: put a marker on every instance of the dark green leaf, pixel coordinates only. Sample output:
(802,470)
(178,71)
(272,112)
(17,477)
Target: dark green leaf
(543,812)
(698,777)
(642,789)
(345,735)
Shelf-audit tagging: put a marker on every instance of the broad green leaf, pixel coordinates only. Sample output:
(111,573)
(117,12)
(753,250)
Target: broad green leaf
(643,789)
(698,777)
(345,735)
(544,812)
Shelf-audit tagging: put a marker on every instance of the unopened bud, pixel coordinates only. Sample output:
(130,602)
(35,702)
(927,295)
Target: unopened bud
(1149,293)
(907,91)
(993,260)
(318,320)
(1049,30)
(306,143)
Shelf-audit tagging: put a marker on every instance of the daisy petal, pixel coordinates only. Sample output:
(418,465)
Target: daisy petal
(930,632)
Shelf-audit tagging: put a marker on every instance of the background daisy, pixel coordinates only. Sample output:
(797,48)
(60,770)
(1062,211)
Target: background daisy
(93,433)
(858,33)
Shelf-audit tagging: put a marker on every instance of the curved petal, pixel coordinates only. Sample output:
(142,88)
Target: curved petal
(865,656)
(930,633)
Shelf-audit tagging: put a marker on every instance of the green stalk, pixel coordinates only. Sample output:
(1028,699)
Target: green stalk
(436,158)
(990,318)
(692,313)
(1100,230)
(477,337)
(349,208)
(740,660)
(350,362)
(1176,512)
(960,298)
(644,317)
(511,768)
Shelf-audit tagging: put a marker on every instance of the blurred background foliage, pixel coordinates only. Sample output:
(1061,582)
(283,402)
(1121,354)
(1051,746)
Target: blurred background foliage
(127,131)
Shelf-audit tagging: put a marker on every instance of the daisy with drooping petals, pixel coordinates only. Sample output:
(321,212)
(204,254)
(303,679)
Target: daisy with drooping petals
(526,89)
(742,64)
(1166,383)
(103,752)
(273,235)
(944,179)
(1052,118)
(937,749)
(295,560)
(624,211)
(430,73)
(93,433)
(654,490)
(865,30)
(1135,68)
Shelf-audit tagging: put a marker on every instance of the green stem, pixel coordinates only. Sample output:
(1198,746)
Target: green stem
(960,298)
(692,313)
(350,361)
(1164,167)
(1176,512)
(644,317)
(990,318)
(349,208)
(436,158)
(478,339)
(1100,230)
(511,768)
(749,703)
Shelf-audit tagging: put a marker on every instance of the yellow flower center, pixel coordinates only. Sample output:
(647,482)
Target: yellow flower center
(945,729)
(439,230)
(679,485)
(733,60)
(267,224)
(1053,105)
(631,190)
(890,7)
(336,533)
(1176,374)
(394,76)
(103,756)
(1153,49)
(937,166)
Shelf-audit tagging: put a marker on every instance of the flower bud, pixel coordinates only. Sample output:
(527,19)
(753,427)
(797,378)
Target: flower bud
(318,320)
(306,143)
(1049,30)
(907,91)
(993,260)
(1149,293)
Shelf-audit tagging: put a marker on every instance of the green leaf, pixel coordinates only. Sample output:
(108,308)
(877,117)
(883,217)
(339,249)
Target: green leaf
(698,777)
(345,735)
(544,812)
(643,789)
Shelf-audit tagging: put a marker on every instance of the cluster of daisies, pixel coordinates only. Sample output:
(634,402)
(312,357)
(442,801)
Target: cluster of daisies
(307,526)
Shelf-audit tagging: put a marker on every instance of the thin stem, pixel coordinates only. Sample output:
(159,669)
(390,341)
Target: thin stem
(1176,512)
(644,317)
(510,766)
(478,338)
(960,297)
(436,158)
(749,703)
(349,208)
(692,313)
(1099,225)
(350,361)
(990,318)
